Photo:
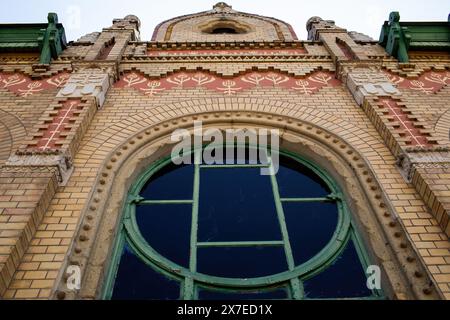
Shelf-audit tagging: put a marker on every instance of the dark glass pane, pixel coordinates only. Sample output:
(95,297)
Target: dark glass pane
(241,262)
(173,182)
(344,279)
(295,180)
(310,227)
(236,204)
(277,293)
(235,155)
(167,229)
(137,281)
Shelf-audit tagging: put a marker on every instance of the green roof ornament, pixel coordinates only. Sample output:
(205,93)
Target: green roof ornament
(53,40)
(48,39)
(398,38)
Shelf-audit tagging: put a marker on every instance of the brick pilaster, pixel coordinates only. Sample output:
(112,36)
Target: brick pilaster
(25,194)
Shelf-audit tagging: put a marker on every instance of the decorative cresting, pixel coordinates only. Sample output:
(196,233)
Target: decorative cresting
(24,86)
(308,85)
(98,225)
(427,83)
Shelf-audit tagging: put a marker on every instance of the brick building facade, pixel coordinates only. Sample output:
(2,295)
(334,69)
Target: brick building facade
(77,130)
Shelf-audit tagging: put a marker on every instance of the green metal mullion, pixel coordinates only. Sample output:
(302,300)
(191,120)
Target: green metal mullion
(240,244)
(189,288)
(232,166)
(324,199)
(363,257)
(112,270)
(297,287)
(143,202)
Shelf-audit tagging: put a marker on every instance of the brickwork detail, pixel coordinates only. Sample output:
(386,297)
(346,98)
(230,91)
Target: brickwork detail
(309,85)
(53,132)
(428,83)
(24,86)
(25,194)
(410,132)
(432,181)
(229,52)
(398,128)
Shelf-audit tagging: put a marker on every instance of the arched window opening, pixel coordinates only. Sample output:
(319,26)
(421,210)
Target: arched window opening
(224,26)
(224,231)
(224,31)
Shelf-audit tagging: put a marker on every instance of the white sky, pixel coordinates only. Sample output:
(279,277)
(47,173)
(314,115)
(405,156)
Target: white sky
(84,16)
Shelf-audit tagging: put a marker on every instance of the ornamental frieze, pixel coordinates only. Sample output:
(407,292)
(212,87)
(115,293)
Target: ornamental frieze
(427,83)
(24,86)
(228,86)
(228,52)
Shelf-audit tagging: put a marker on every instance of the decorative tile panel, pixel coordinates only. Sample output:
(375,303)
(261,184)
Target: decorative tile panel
(24,86)
(308,85)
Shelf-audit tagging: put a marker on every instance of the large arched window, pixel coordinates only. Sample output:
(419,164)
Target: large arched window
(227,232)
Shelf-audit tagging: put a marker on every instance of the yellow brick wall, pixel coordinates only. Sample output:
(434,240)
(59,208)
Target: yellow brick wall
(35,244)
(331,108)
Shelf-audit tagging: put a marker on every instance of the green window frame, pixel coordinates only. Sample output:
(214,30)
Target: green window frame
(191,280)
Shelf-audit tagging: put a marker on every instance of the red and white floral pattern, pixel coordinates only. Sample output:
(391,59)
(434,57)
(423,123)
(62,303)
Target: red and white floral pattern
(308,85)
(23,86)
(428,83)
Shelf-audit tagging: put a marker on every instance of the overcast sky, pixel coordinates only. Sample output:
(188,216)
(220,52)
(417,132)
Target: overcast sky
(84,16)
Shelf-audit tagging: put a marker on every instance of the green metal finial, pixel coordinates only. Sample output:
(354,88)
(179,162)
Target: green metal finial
(394,16)
(52,18)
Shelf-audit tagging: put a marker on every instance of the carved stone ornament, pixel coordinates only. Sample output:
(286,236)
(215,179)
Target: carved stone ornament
(365,83)
(87,82)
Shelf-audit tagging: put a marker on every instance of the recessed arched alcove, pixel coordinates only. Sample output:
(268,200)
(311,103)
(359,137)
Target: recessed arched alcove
(94,245)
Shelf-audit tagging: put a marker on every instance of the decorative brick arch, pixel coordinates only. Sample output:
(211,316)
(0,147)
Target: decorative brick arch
(12,133)
(134,123)
(442,128)
(147,138)
(173,21)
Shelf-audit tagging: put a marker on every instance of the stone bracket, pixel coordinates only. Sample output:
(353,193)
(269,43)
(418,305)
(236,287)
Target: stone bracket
(62,163)
(408,161)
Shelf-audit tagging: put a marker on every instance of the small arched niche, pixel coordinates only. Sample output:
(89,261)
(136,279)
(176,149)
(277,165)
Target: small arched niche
(224,27)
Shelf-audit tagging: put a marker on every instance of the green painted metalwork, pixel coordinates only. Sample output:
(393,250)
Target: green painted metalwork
(232,166)
(400,37)
(191,279)
(164,202)
(241,244)
(47,39)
